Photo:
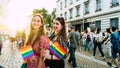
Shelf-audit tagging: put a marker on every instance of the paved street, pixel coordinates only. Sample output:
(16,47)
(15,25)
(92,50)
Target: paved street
(84,61)
(11,58)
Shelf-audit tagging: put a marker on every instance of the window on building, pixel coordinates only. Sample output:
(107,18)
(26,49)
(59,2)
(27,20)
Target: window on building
(114,3)
(65,3)
(60,5)
(71,11)
(77,10)
(86,7)
(71,2)
(65,15)
(114,22)
(98,24)
(98,5)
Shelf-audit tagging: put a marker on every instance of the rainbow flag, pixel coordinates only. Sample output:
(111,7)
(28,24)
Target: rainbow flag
(26,52)
(57,50)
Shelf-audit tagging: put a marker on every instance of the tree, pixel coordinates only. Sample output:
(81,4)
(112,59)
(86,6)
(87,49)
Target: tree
(42,11)
(48,20)
(36,11)
(53,15)
(46,16)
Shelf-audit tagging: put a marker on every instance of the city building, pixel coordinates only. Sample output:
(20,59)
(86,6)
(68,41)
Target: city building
(90,13)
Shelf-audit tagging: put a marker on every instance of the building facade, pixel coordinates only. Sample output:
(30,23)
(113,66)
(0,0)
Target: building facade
(90,13)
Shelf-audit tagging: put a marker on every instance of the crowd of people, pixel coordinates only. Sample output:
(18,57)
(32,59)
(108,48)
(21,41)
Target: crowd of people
(40,39)
(107,42)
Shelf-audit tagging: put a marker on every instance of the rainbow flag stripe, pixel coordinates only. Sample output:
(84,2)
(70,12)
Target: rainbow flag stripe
(26,52)
(57,50)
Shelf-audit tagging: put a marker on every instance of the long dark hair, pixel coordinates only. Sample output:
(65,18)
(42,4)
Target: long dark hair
(108,30)
(97,30)
(63,30)
(41,31)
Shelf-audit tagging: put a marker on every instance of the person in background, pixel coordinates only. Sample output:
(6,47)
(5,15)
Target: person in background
(78,33)
(59,35)
(97,43)
(79,37)
(49,32)
(39,41)
(87,41)
(115,48)
(106,42)
(92,38)
(1,45)
(83,35)
(1,67)
(19,42)
(74,43)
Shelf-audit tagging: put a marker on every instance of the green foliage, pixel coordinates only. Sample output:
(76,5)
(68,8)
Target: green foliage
(53,13)
(46,16)
(48,20)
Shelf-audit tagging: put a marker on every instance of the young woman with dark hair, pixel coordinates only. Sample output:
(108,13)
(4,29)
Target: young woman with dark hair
(97,43)
(59,29)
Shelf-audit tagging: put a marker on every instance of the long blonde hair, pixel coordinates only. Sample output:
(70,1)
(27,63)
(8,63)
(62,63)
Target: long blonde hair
(41,31)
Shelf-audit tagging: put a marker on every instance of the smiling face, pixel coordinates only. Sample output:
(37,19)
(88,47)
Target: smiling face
(57,26)
(36,22)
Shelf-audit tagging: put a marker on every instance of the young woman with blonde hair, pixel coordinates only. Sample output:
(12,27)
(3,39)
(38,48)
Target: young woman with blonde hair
(39,41)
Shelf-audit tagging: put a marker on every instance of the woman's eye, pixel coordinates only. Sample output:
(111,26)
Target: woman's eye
(38,21)
(57,23)
(54,23)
